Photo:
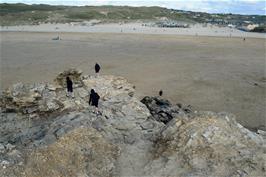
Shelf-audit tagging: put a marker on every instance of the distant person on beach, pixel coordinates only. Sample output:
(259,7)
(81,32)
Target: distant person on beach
(97,68)
(94,100)
(69,87)
(160,93)
(244,39)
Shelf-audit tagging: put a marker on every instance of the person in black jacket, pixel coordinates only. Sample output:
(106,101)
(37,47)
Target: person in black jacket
(69,87)
(97,68)
(94,98)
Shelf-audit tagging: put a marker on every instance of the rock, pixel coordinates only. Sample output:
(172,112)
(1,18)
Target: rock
(209,144)
(129,139)
(52,105)
(46,99)
(18,90)
(30,99)
(147,125)
(53,135)
(82,152)
(162,110)
(4,163)
(83,93)
(75,76)
(108,86)
(154,100)
(179,105)
(51,87)
(9,147)
(2,148)
(131,94)
(261,132)
(159,108)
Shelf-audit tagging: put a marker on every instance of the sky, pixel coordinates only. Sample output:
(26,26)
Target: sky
(211,6)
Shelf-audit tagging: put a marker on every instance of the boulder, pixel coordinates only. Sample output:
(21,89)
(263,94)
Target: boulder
(162,110)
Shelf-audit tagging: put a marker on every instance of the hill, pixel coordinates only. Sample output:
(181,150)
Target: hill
(17,14)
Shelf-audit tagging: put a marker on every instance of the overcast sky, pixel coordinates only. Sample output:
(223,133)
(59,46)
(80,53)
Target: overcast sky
(211,6)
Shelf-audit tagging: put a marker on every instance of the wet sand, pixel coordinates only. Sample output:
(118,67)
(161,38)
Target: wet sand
(209,73)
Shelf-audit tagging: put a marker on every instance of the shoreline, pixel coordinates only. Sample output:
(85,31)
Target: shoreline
(135,28)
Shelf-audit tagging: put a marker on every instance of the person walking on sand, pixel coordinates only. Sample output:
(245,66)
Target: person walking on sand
(160,93)
(97,68)
(69,87)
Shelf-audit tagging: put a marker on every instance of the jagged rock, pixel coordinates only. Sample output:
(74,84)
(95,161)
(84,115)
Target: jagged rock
(162,110)
(108,86)
(54,135)
(44,99)
(29,99)
(81,152)
(73,74)
(209,144)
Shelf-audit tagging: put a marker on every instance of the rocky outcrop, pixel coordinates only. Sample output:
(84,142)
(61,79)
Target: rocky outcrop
(129,138)
(42,100)
(73,74)
(29,99)
(74,154)
(208,144)
(162,110)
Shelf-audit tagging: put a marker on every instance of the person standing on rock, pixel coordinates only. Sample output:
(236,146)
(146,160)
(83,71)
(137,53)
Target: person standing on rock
(97,68)
(94,100)
(69,87)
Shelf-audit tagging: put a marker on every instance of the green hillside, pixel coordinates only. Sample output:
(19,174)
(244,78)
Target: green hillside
(17,14)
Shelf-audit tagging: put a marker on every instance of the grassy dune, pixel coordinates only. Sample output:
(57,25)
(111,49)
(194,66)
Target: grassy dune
(17,14)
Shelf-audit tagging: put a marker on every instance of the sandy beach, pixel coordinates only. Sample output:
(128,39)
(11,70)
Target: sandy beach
(134,28)
(207,72)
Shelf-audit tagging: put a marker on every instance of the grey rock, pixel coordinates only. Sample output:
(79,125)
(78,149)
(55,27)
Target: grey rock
(75,76)
(2,148)
(9,147)
(206,142)
(53,135)
(162,110)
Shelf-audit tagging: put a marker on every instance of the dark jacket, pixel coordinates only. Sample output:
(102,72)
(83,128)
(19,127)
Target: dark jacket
(69,85)
(94,99)
(97,68)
